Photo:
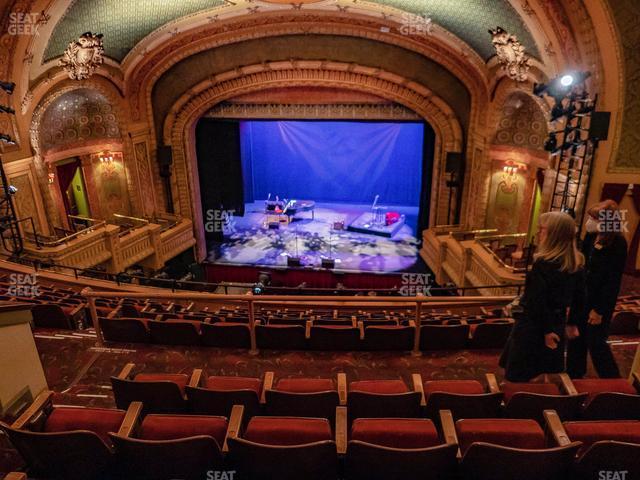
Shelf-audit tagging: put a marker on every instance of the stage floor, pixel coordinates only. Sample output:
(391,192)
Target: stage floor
(248,241)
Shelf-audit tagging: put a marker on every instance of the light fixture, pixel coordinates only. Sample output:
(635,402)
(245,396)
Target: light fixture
(7,139)
(7,87)
(51,177)
(12,190)
(567,80)
(106,158)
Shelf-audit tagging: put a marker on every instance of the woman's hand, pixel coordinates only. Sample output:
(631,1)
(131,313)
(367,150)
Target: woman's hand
(551,340)
(594,318)
(571,331)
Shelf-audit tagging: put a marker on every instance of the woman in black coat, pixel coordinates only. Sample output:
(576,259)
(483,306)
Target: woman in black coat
(605,251)
(553,288)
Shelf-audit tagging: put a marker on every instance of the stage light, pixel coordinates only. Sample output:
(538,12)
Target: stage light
(5,109)
(6,139)
(567,80)
(8,87)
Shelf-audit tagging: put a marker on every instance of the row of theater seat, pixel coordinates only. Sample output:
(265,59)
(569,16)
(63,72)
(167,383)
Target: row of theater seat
(313,336)
(593,399)
(88,443)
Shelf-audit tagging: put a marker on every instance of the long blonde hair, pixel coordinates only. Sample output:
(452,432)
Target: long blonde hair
(559,244)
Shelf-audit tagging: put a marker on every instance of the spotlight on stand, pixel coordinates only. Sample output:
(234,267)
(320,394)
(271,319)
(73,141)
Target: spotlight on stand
(560,86)
(7,87)
(12,190)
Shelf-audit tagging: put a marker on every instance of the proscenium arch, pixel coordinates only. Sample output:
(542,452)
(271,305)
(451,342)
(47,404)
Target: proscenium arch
(180,125)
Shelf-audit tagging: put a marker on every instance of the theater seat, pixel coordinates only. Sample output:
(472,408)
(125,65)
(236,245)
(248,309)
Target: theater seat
(464,398)
(219,394)
(226,335)
(491,334)
(514,433)
(175,332)
(443,337)
(608,399)
(159,392)
(63,442)
(395,432)
(388,338)
(382,398)
(281,337)
(48,315)
(529,400)
(287,448)
(161,447)
(302,397)
(331,338)
(124,330)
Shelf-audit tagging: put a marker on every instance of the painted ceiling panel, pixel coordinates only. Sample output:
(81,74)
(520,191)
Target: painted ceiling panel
(126,22)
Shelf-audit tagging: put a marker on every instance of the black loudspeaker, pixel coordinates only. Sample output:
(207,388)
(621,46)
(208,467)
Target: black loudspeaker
(165,160)
(599,127)
(293,262)
(328,263)
(454,163)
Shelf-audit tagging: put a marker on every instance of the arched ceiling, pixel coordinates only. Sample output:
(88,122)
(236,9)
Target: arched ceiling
(124,23)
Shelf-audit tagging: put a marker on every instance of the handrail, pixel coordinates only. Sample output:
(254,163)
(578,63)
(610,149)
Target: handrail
(68,238)
(503,235)
(337,301)
(79,217)
(143,220)
(500,261)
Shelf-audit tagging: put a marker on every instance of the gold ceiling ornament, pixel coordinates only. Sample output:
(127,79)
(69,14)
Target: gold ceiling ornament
(83,56)
(511,54)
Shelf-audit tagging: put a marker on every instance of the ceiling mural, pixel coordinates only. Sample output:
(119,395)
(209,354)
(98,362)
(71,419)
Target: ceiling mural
(124,23)
(78,116)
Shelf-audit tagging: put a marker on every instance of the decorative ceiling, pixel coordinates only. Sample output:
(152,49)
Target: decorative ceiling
(124,23)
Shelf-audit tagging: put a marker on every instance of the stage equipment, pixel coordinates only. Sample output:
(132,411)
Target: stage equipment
(391,217)
(573,144)
(295,261)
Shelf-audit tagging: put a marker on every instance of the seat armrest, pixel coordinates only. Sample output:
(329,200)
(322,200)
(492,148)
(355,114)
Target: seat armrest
(196,378)
(125,373)
(307,332)
(342,388)
(449,430)
(635,380)
(567,385)
(131,420)
(418,386)
(267,385)
(555,428)
(341,430)
(360,326)
(492,383)
(16,476)
(41,402)
(115,312)
(234,426)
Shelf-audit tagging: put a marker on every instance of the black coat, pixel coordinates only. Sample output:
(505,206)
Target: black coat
(604,266)
(549,296)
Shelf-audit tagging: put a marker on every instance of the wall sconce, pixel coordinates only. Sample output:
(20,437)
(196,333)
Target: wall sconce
(512,168)
(51,177)
(108,162)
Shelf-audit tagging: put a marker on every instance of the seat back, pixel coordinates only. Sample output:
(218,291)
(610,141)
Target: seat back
(156,397)
(373,405)
(276,337)
(173,333)
(51,316)
(254,461)
(381,338)
(365,461)
(486,405)
(532,405)
(612,406)
(443,337)
(74,455)
(186,458)
(609,456)
(127,310)
(491,334)
(287,404)
(226,335)
(335,338)
(202,401)
(124,330)
(625,323)
(485,461)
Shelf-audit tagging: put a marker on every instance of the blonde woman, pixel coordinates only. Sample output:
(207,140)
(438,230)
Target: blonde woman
(553,298)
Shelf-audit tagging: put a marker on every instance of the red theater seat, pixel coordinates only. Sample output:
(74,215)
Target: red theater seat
(443,337)
(220,394)
(609,399)
(175,332)
(180,379)
(281,337)
(328,338)
(173,427)
(100,421)
(124,330)
(590,432)
(382,398)
(396,432)
(464,398)
(491,334)
(302,397)
(529,400)
(305,385)
(513,433)
(388,337)
(226,335)
(287,430)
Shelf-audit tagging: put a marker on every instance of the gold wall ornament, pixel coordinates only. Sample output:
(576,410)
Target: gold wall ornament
(83,56)
(511,54)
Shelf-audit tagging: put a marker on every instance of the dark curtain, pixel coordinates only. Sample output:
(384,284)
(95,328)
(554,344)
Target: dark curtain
(614,191)
(65,174)
(219,168)
(635,241)
(428,151)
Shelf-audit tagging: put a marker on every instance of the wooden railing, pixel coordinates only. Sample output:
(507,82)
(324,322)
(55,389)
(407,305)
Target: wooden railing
(251,301)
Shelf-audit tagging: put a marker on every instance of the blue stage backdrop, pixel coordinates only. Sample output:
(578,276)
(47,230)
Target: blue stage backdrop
(333,161)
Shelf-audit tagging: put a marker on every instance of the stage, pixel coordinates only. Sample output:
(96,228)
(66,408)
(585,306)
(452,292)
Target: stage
(249,241)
